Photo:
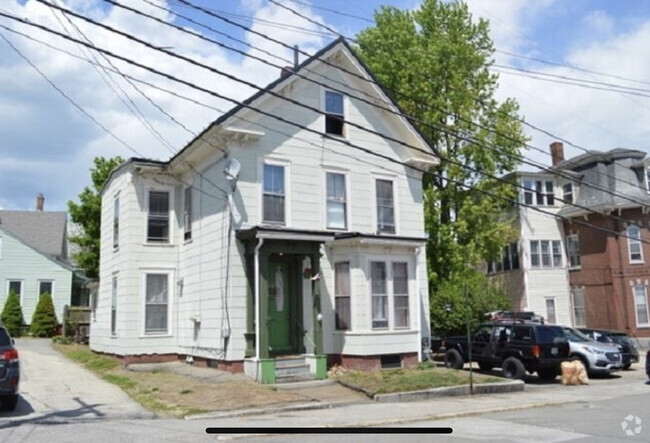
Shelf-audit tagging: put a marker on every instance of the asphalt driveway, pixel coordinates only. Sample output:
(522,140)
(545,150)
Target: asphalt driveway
(56,390)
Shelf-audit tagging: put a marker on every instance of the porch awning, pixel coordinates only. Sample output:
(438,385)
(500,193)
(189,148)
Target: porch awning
(280,233)
(376,239)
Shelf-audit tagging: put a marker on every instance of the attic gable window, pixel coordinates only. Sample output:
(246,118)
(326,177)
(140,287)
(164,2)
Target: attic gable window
(334,113)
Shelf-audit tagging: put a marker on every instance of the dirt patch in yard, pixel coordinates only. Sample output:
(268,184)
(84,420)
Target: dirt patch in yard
(173,395)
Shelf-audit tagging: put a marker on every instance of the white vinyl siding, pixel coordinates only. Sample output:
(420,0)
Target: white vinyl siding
(641,305)
(634,244)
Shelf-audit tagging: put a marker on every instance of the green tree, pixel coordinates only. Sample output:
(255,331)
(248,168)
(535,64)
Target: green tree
(471,291)
(12,315)
(435,60)
(87,215)
(44,319)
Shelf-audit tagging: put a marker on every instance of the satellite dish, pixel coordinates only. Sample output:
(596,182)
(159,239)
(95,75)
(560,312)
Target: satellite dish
(232,169)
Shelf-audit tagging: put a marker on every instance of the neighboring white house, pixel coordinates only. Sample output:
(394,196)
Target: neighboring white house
(33,259)
(535,269)
(315,250)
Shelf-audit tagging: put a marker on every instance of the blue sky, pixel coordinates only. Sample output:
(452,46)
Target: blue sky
(48,145)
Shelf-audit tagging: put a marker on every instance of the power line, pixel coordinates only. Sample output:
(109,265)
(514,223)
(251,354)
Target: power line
(333,11)
(66,96)
(304,17)
(345,142)
(371,103)
(317,110)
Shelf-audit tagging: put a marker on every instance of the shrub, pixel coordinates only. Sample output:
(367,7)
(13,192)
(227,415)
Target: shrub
(44,320)
(12,315)
(61,339)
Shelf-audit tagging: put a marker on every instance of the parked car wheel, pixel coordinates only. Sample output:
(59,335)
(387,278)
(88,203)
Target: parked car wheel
(584,361)
(8,402)
(627,365)
(513,368)
(547,374)
(484,366)
(453,359)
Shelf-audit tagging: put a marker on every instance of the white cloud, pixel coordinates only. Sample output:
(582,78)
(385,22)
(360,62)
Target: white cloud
(48,145)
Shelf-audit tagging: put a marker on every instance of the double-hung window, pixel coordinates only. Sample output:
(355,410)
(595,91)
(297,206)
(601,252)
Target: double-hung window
(550,311)
(567,193)
(334,113)
(390,294)
(573,248)
(114,306)
(273,194)
(385,206)
(158,217)
(116,222)
(545,253)
(578,299)
(641,305)
(528,192)
(634,244)
(16,286)
(342,295)
(156,315)
(336,204)
(542,191)
(45,286)
(187,213)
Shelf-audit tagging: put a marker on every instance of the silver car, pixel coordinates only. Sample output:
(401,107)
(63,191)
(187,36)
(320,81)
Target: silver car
(598,358)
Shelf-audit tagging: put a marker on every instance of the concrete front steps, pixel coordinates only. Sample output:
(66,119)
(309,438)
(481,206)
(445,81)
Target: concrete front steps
(292,369)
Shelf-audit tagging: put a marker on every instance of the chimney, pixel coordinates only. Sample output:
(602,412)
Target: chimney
(557,152)
(287,70)
(40,200)
(296,56)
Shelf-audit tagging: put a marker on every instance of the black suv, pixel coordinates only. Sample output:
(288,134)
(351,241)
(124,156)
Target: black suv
(9,371)
(628,351)
(516,347)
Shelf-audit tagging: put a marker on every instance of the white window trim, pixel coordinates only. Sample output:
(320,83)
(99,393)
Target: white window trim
(172,215)
(22,290)
(389,177)
(647,308)
(287,189)
(568,251)
(114,278)
(348,260)
(550,250)
(573,307)
(346,113)
(410,269)
(143,300)
(546,299)
(348,217)
(629,250)
(38,287)
(116,198)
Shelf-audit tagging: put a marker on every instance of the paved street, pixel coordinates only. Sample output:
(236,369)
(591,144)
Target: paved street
(61,402)
(56,390)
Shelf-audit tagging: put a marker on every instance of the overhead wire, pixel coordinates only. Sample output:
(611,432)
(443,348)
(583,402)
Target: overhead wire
(305,128)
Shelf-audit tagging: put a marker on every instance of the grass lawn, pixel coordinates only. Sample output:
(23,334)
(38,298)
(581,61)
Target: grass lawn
(387,381)
(172,395)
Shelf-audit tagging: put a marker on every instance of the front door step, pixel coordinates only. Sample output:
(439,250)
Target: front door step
(292,369)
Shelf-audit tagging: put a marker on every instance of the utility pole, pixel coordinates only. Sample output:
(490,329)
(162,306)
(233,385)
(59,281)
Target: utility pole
(469,340)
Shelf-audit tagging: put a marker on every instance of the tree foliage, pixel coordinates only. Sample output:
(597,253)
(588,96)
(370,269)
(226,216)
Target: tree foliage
(12,315)
(435,61)
(44,319)
(87,215)
(463,297)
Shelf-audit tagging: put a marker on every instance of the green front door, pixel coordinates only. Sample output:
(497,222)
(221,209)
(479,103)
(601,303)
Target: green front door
(279,315)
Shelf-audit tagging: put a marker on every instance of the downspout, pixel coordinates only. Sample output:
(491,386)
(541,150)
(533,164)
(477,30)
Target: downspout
(260,242)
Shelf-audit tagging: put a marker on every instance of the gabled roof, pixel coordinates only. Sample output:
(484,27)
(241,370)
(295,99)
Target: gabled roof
(599,156)
(278,82)
(43,231)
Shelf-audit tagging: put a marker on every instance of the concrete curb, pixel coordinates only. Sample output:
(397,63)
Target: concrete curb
(261,411)
(481,388)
